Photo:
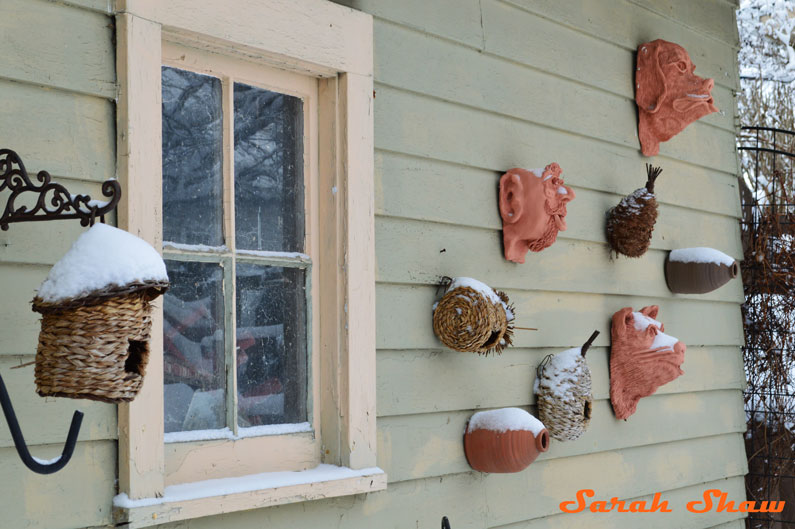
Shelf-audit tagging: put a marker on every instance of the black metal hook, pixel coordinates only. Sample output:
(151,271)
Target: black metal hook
(445,523)
(19,440)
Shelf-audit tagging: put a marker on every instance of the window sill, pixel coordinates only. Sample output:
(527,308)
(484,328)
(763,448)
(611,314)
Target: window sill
(219,496)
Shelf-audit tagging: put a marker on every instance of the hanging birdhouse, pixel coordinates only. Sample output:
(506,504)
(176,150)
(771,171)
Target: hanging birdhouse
(563,393)
(96,317)
(698,270)
(642,358)
(631,222)
(472,317)
(504,441)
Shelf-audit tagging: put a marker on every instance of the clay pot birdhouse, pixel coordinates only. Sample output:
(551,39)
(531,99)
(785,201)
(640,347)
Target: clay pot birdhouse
(563,393)
(668,94)
(698,270)
(631,223)
(96,317)
(642,358)
(505,440)
(533,209)
(472,317)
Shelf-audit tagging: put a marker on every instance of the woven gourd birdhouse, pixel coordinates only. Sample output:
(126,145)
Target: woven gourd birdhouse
(631,223)
(563,393)
(96,317)
(472,317)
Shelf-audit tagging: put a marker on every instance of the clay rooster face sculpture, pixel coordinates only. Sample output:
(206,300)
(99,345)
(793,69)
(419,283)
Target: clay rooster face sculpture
(642,358)
(669,95)
(533,209)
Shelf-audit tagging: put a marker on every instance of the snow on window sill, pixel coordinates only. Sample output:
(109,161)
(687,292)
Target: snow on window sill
(217,496)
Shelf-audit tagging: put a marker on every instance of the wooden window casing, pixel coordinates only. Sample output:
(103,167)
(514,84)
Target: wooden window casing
(332,46)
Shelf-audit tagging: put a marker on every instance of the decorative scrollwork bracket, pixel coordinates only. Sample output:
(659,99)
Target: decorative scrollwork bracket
(54,202)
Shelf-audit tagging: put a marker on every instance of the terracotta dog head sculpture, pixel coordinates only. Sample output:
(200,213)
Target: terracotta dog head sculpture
(669,95)
(533,209)
(642,358)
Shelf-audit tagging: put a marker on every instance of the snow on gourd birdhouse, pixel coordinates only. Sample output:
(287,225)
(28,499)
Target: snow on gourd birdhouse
(698,270)
(563,393)
(631,222)
(96,317)
(642,358)
(503,441)
(472,317)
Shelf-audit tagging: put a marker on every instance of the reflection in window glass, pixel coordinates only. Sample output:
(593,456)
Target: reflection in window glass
(269,170)
(271,345)
(192,156)
(193,347)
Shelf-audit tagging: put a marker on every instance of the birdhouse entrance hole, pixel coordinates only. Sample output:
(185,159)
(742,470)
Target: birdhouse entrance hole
(492,341)
(136,357)
(587,410)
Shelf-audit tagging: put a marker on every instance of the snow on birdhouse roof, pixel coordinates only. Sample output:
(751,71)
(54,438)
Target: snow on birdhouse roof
(700,255)
(102,258)
(505,419)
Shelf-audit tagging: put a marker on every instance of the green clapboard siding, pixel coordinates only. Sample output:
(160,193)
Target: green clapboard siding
(57,86)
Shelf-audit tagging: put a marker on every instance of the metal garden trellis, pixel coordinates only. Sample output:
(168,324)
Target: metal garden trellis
(768,232)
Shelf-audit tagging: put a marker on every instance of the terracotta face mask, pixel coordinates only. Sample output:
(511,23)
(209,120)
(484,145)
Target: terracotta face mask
(642,358)
(669,95)
(533,209)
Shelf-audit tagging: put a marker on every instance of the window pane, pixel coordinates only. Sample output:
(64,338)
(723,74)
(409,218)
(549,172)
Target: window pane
(271,345)
(193,347)
(269,170)
(192,155)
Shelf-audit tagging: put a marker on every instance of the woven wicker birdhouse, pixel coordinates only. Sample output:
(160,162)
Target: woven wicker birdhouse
(472,317)
(563,393)
(96,317)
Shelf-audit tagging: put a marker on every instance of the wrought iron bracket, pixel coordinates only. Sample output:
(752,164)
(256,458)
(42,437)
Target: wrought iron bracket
(37,465)
(53,201)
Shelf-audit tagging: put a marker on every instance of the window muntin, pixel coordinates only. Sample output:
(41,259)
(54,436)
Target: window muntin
(263,327)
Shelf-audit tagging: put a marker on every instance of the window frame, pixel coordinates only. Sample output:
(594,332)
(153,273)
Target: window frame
(312,37)
(190,461)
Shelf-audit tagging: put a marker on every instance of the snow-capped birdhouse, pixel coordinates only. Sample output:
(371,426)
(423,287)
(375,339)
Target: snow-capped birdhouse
(472,317)
(642,358)
(563,393)
(631,222)
(533,209)
(505,440)
(699,270)
(96,317)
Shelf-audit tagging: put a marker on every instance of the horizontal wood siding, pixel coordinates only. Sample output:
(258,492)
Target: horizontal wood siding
(57,85)
(466,89)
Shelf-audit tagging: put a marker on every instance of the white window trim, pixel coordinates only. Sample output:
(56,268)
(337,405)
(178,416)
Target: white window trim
(314,37)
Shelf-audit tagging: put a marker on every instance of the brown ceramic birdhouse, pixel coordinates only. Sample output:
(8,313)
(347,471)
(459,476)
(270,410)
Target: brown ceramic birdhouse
(504,441)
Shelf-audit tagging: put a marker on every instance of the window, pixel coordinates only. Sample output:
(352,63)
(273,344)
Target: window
(245,151)
(236,350)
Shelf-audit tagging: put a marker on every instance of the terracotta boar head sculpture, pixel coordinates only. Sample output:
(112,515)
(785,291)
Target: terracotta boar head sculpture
(642,358)
(533,209)
(669,95)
